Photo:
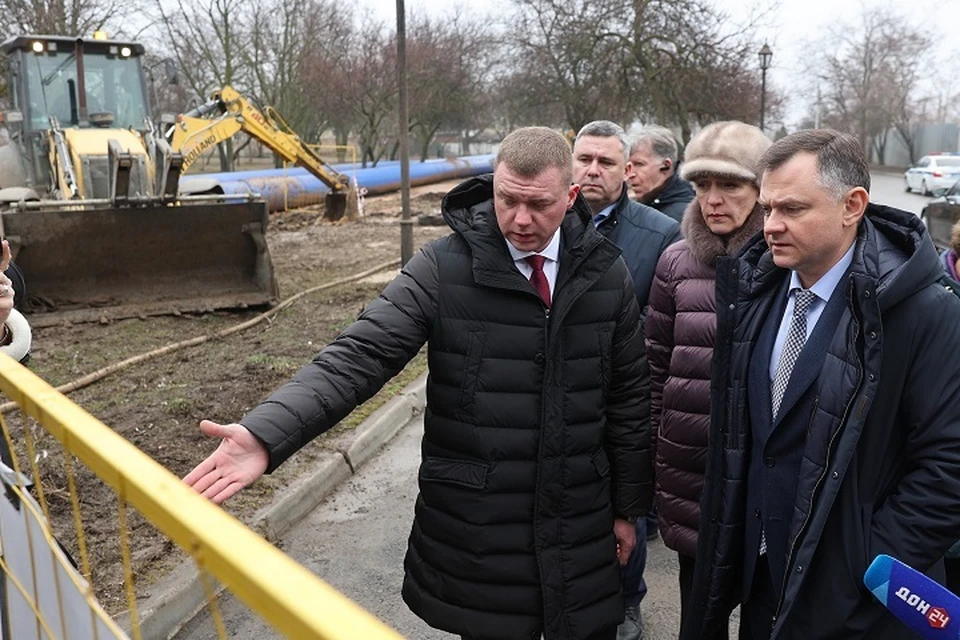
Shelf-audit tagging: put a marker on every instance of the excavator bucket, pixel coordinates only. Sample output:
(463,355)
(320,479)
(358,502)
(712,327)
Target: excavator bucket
(94,265)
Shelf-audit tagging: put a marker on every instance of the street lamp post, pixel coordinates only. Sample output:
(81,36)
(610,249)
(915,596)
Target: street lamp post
(765,55)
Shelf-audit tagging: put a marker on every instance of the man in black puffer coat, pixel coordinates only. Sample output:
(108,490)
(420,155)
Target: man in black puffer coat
(859,453)
(536,432)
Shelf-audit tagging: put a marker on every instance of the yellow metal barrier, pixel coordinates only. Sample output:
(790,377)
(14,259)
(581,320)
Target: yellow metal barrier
(292,599)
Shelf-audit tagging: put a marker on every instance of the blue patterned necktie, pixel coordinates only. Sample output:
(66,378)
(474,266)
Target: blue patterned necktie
(792,346)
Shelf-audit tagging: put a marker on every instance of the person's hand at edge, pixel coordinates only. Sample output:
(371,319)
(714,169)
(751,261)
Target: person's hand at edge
(6,289)
(239,460)
(626,534)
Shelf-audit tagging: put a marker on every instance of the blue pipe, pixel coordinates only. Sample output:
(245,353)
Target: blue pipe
(284,188)
(229,176)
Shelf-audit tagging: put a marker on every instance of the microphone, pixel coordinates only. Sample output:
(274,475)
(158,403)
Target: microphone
(922,604)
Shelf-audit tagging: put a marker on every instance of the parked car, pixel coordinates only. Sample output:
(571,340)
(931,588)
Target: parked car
(941,214)
(935,171)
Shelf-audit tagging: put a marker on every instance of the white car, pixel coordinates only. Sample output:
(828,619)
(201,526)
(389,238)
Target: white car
(936,171)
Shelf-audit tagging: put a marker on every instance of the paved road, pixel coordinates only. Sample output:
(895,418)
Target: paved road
(888,189)
(357,538)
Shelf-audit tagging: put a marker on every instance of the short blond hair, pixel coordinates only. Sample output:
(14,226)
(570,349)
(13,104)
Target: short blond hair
(532,150)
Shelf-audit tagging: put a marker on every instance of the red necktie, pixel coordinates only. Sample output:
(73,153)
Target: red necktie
(538,278)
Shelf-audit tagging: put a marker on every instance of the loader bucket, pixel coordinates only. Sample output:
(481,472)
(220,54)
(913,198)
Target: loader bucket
(95,265)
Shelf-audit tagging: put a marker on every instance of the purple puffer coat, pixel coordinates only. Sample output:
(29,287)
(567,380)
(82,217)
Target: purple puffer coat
(681,329)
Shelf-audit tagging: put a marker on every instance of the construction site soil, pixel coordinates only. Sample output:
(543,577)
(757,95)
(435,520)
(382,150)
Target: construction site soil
(158,404)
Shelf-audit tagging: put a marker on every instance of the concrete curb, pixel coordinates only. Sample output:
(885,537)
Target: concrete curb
(179,596)
(384,423)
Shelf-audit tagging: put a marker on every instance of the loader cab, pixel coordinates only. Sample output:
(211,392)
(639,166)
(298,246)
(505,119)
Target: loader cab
(73,79)
(78,83)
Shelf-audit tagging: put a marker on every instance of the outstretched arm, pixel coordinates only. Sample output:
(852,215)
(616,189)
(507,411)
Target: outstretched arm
(239,460)
(351,369)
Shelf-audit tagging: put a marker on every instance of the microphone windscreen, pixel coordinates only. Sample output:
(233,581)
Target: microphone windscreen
(925,606)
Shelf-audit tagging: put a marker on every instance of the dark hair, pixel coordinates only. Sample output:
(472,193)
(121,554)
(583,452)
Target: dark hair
(841,163)
(532,150)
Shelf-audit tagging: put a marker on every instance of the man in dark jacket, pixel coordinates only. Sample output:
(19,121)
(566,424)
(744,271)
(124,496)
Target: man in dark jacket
(652,174)
(835,432)
(536,431)
(600,164)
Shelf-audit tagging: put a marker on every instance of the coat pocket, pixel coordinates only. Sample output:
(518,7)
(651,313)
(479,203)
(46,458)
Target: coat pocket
(472,475)
(606,360)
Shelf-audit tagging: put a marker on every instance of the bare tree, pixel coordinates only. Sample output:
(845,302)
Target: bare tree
(371,68)
(60,17)
(679,62)
(695,65)
(570,55)
(282,35)
(447,71)
(325,76)
(513,105)
(207,40)
(871,72)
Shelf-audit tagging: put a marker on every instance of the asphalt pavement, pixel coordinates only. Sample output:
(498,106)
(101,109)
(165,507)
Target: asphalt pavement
(888,189)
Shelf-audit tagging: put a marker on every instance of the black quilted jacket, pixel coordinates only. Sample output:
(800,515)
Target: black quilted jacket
(536,427)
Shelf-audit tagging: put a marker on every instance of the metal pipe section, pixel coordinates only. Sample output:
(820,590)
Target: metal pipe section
(348,168)
(285,188)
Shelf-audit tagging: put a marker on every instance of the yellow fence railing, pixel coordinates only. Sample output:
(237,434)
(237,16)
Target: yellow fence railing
(293,600)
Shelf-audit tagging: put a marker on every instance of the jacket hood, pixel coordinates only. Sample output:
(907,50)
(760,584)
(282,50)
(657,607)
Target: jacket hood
(707,246)
(905,259)
(468,210)
(893,249)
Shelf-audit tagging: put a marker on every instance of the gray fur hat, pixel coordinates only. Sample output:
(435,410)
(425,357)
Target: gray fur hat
(728,149)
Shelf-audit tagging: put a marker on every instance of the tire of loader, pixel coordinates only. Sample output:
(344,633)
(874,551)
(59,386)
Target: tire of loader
(335,206)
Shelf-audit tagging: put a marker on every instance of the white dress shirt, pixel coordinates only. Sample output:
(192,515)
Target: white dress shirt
(552,254)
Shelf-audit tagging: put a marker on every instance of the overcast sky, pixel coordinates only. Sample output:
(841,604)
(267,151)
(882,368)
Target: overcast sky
(792,30)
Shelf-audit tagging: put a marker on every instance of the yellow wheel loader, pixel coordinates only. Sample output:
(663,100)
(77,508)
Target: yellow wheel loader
(89,195)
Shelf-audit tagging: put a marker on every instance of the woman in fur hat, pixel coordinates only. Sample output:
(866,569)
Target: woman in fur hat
(721,162)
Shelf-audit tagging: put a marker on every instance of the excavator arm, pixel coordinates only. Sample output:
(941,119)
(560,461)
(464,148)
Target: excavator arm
(228,113)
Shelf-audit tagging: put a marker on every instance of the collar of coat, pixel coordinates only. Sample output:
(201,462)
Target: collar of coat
(673,190)
(893,249)
(705,245)
(468,210)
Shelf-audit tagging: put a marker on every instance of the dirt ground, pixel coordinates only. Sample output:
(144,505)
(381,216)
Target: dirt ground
(158,404)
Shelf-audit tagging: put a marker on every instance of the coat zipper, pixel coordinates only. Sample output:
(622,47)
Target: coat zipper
(543,404)
(816,487)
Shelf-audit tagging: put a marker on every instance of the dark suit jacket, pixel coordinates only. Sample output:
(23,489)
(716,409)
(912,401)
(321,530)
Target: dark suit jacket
(777,444)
